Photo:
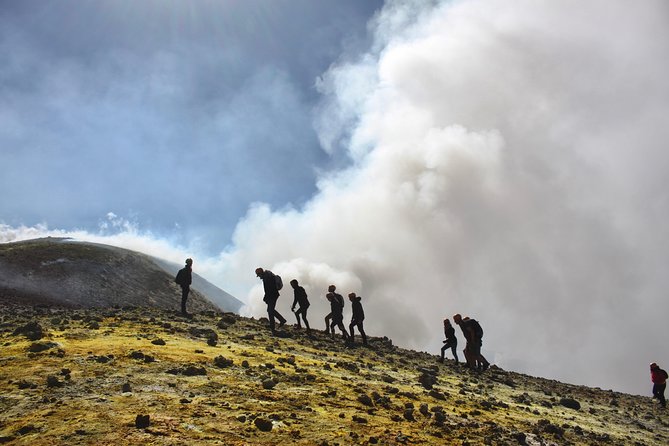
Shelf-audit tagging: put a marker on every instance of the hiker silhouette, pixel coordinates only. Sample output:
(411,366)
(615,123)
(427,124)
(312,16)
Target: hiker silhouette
(473,333)
(451,341)
(302,300)
(659,379)
(357,318)
(184,279)
(337,314)
(269,283)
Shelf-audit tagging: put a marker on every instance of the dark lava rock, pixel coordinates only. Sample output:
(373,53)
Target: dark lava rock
(222,362)
(365,399)
(408,414)
(53,381)
(32,330)
(268,384)
(136,355)
(191,370)
(37,347)
(158,341)
(570,403)
(360,420)
(126,388)
(142,421)
(263,424)
(212,342)
(26,385)
(427,379)
(437,395)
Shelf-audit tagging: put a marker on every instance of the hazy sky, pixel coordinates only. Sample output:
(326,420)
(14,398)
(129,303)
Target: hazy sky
(505,160)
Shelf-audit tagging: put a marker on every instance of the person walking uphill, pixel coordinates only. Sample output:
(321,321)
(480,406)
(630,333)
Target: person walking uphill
(303,302)
(473,333)
(659,379)
(357,318)
(184,279)
(337,314)
(328,317)
(269,282)
(450,342)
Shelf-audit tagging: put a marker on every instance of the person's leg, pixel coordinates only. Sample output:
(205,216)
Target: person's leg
(270,313)
(343,329)
(361,329)
(184,297)
(443,352)
(297,316)
(328,323)
(304,317)
(455,352)
(660,394)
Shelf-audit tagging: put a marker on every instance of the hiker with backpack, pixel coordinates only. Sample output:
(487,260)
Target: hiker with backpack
(184,279)
(659,378)
(450,342)
(473,333)
(328,317)
(337,314)
(356,319)
(272,283)
(303,302)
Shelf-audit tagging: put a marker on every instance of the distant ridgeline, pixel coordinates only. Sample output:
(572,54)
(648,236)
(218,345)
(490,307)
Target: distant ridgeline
(62,272)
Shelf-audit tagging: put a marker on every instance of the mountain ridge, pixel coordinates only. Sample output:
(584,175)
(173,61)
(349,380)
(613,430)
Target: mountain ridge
(63,272)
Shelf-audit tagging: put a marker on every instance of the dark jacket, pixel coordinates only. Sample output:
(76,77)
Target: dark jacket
(337,305)
(358,312)
(472,330)
(184,277)
(269,284)
(450,334)
(300,298)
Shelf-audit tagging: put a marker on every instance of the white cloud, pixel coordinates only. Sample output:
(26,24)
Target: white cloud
(509,164)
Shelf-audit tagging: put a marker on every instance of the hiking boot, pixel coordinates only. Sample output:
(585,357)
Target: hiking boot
(282,323)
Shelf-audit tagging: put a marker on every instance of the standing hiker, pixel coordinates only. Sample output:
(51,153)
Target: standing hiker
(271,285)
(328,317)
(357,318)
(450,342)
(473,333)
(184,279)
(303,302)
(337,314)
(659,379)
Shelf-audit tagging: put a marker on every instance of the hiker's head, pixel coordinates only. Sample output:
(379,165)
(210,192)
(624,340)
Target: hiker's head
(447,322)
(189,261)
(259,272)
(351,296)
(653,366)
(293,283)
(457,318)
(332,288)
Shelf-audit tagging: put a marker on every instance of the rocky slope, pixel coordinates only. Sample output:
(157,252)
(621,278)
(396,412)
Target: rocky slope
(62,272)
(148,376)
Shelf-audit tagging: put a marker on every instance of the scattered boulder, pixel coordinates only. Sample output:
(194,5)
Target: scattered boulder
(142,421)
(268,384)
(32,330)
(53,381)
(427,378)
(222,362)
(570,403)
(126,388)
(37,347)
(365,399)
(158,341)
(192,370)
(263,424)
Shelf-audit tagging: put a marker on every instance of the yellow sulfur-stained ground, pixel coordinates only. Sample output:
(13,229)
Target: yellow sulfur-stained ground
(323,393)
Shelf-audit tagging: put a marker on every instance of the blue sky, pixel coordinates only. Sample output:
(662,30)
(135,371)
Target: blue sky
(176,115)
(503,160)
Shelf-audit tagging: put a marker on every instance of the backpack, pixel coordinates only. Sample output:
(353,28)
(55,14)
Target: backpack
(664,373)
(279,282)
(478,331)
